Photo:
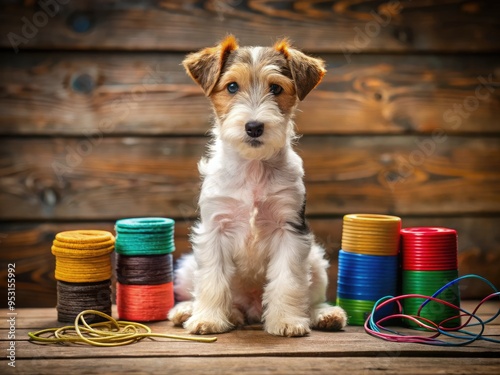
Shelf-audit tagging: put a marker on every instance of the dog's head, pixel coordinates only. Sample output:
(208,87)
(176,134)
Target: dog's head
(254,92)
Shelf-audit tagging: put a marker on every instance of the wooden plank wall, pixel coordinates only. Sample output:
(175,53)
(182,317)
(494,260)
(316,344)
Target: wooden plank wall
(98,120)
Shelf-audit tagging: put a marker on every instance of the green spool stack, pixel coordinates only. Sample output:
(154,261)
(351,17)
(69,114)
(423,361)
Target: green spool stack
(427,283)
(359,310)
(145,236)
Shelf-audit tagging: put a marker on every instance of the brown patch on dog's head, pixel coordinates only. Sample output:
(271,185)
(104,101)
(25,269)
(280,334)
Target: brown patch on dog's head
(205,66)
(307,71)
(282,47)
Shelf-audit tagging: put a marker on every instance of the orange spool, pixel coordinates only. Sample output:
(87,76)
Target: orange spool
(144,303)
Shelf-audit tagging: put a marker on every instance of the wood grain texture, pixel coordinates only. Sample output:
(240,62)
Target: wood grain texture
(36,318)
(250,350)
(250,341)
(98,120)
(320,26)
(145,94)
(66,178)
(28,245)
(255,342)
(258,365)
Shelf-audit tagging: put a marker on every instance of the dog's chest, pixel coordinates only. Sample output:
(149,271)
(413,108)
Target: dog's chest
(254,189)
(258,182)
(254,193)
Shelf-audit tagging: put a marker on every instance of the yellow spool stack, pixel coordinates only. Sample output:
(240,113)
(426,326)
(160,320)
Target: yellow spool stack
(371,234)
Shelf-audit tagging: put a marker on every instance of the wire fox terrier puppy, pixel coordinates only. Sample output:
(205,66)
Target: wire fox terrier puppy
(254,258)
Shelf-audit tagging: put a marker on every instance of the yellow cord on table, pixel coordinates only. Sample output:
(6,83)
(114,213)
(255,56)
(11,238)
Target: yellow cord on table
(110,333)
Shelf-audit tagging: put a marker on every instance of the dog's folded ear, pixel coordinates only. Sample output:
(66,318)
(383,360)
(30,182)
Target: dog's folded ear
(307,71)
(205,66)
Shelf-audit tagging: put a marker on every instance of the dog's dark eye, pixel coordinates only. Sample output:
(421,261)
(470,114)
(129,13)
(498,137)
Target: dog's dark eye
(275,89)
(232,88)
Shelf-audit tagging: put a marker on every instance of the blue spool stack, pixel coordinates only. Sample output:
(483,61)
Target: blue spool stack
(368,264)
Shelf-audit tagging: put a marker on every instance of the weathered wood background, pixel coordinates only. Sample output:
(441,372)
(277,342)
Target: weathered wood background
(98,120)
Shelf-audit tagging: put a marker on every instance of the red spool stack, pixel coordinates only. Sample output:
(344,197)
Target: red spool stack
(429,249)
(144,303)
(429,260)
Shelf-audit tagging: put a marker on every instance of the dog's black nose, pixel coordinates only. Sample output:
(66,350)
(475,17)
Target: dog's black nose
(254,129)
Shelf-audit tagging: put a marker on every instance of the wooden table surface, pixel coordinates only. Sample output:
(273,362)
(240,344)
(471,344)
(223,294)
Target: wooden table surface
(246,351)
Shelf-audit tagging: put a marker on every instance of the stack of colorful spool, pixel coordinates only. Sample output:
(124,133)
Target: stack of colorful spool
(144,268)
(83,273)
(368,264)
(429,261)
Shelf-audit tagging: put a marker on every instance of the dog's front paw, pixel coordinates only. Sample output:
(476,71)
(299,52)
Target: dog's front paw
(203,326)
(288,327)
(329,318)
(181,312)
